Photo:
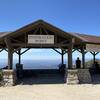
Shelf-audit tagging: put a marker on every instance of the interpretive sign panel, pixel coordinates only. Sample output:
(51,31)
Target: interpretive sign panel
(41,39)
(93,47)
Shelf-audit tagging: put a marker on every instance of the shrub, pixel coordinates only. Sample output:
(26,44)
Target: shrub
(1,75)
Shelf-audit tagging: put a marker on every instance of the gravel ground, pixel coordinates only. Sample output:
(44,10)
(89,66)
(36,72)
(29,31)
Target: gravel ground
(51,92)
(35,89)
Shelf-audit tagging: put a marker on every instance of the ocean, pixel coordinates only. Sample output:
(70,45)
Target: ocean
(35,63)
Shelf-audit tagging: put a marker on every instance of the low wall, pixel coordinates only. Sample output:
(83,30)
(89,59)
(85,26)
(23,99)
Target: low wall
(72,76)
(84,76)
(76,76)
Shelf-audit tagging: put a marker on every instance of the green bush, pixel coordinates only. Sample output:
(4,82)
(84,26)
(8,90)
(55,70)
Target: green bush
(1,75)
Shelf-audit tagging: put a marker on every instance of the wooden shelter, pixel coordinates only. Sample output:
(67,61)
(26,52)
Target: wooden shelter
(66,41)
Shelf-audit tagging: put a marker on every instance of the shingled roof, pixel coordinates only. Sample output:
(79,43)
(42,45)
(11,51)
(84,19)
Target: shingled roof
(90,38)
(4,34)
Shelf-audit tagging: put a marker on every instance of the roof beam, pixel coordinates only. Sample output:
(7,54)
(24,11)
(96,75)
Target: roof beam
(24,51)
(1,50)
(57,51)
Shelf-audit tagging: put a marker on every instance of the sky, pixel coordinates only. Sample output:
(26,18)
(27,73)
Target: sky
(70,15)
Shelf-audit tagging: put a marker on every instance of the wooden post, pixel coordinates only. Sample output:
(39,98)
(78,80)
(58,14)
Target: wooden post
(70,61)
(19,54)
(83,57)
(10,53)
(94,59)
(62,56)
(69,58)
(10,58)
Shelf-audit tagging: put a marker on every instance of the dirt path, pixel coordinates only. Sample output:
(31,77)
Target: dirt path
(50,92)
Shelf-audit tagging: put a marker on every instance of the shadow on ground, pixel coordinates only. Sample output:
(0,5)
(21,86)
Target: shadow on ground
(95,78)
(46,78)
(42,79)
(49,77)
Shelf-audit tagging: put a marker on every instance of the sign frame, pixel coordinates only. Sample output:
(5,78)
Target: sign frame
(40,39)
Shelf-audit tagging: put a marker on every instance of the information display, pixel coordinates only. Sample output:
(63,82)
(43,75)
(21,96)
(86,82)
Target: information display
(41,39)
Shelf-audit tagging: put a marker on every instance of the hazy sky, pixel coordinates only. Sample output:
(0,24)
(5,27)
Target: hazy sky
(70,15)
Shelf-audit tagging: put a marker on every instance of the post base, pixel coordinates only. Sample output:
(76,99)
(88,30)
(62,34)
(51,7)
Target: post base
(76,76)
(72,77)
(9,77)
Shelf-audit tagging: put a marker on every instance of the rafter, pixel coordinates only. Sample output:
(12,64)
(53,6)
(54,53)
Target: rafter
(24,51)
(1,50)
(45,31)
(5,49)
(17,41)
(57,51)
(40,31)
(73,50)
(64,41)
(94,53)
(36,30)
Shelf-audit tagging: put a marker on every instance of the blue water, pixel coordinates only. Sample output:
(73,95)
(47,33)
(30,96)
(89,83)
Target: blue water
(34,64)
